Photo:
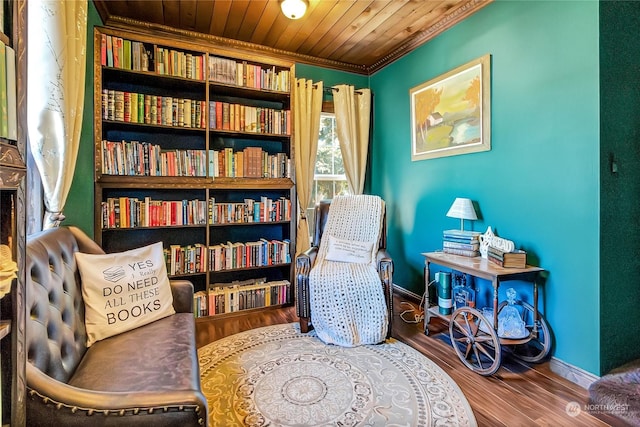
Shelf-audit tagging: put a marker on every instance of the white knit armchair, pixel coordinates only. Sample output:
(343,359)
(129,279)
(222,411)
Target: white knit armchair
(351,303)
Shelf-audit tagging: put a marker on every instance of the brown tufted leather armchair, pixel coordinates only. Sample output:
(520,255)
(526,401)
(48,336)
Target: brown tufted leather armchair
(145,377)
(306,260)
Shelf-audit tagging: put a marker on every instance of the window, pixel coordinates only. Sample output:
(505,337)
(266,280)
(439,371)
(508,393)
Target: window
(329,178)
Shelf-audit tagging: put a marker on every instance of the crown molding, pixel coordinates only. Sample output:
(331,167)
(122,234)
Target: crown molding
(449,20)
(250,48)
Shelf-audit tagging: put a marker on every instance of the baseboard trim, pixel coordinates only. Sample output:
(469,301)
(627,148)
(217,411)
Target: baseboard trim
(572,373)
(559,367)
(412,296)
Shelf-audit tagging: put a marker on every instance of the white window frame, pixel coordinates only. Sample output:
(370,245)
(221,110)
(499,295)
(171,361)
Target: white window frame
(323,177)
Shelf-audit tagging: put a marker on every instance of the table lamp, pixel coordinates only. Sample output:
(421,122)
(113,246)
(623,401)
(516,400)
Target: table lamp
(462,208)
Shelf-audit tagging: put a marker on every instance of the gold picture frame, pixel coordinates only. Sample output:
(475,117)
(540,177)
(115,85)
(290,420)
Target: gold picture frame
(451,114)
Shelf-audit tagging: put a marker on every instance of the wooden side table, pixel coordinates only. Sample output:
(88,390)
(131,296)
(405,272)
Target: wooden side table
(477,267)
(478,346)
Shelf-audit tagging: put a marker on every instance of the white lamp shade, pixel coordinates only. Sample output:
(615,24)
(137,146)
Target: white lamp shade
(463,209)
(293,9)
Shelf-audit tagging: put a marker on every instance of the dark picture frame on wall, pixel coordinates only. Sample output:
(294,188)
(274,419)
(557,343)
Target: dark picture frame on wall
(451,113)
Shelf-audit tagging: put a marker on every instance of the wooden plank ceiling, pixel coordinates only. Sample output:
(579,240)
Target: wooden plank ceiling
(358,36)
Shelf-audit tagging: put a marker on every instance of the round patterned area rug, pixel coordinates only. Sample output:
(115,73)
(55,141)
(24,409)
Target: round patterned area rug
(277,376)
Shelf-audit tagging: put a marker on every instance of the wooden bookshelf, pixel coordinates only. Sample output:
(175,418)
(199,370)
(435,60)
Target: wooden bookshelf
(152,65)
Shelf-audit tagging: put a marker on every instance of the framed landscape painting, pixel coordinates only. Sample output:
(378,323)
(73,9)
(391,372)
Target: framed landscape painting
(451,114)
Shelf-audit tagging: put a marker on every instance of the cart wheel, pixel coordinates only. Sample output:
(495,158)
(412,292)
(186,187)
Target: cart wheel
(477,347)
(536,349)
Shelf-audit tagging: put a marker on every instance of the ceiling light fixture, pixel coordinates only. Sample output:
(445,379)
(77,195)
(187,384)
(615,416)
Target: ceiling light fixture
(293,9)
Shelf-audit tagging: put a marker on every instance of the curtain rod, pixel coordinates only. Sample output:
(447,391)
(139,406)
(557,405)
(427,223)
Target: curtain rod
(331,89)
(335,89)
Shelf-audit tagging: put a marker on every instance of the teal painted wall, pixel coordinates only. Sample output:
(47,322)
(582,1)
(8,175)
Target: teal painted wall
(619,208)
(538,185)
(79,206)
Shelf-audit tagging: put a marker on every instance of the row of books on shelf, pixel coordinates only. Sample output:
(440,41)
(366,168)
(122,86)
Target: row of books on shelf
(258,253)
(199,258)
(8,105)
(251,162)
(241,73)
(171,62)
(246,118)
(125,54)
(134,158)
(250,211)
(131,107)
(141,108)
(131,212)
(188,259)
(221,298)
(461,242)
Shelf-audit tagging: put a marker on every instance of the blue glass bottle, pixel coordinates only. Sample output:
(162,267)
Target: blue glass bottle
(463,294)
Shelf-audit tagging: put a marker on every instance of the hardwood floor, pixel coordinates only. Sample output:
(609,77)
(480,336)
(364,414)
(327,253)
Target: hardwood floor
(517,395)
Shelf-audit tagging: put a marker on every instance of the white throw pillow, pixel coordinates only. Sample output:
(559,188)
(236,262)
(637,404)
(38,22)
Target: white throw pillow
(349,251)
(124,290)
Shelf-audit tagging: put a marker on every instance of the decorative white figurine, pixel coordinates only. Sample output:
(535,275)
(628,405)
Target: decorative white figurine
(485,239)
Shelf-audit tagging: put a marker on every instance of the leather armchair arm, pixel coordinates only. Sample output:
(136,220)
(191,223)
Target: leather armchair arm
(304,263)
(310,253)
(67,401)
(182,291)
(385,267)
(385,270)
(383,257)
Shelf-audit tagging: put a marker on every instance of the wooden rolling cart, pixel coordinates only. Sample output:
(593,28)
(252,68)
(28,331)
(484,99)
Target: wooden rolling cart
(480,349)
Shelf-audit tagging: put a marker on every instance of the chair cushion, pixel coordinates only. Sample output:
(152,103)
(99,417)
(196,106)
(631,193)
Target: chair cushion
(124,363)
(343,250)
(124,290)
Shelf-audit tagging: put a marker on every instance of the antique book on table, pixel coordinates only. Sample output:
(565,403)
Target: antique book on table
(514,259)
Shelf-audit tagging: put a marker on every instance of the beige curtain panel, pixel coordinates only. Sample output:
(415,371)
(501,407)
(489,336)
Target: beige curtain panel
(307,108)
(55,95)
(353,120)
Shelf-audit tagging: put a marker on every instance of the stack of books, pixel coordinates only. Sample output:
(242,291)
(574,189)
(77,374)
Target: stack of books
(461,242)
(514,259)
